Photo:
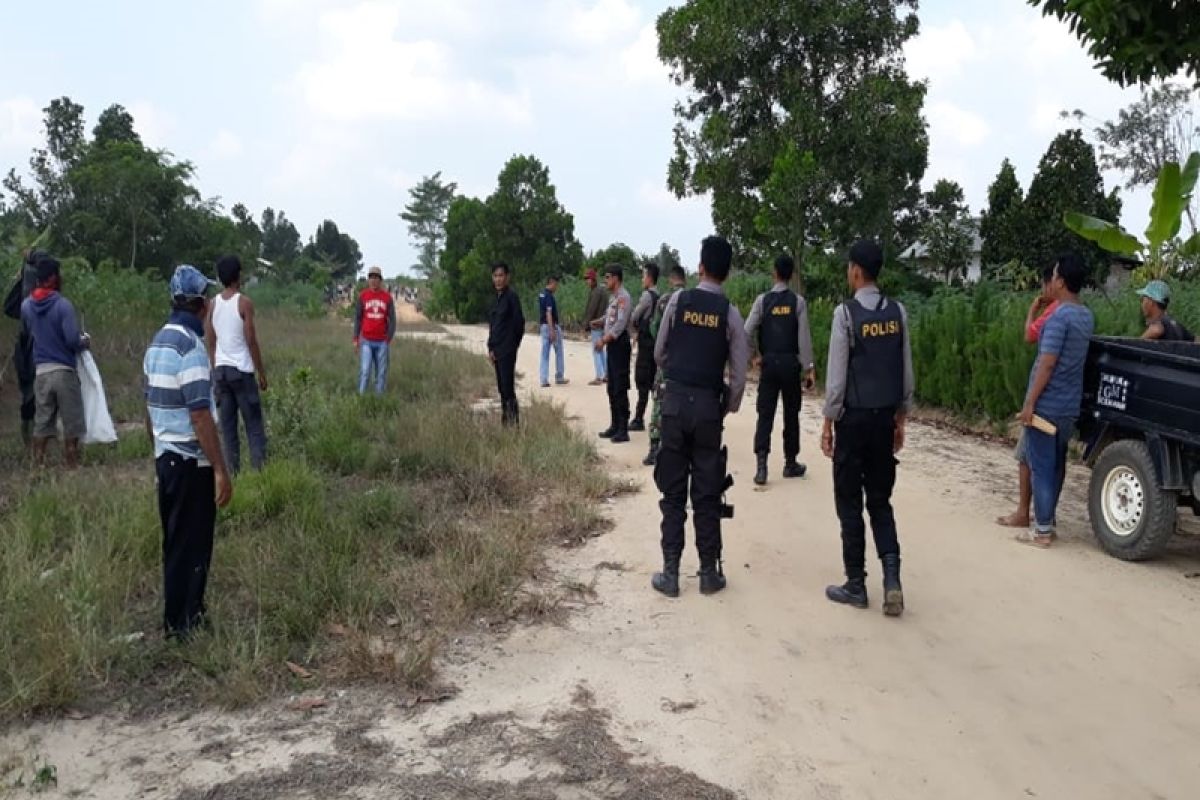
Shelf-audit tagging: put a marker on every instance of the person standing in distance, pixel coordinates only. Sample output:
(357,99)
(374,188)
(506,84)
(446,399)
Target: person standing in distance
(593,318)
(676,281)
(551,332)
(22,357)
(51,321)
(641,320)
(374,329)
(868,394)
(780,318)
(190,470)
(506,329)
(616,339)
(702,332)
(238,373)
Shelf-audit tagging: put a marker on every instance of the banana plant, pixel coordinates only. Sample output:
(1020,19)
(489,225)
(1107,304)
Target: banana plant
(1161,251)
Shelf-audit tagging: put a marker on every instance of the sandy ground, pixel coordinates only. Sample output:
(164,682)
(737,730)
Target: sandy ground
(1014,672)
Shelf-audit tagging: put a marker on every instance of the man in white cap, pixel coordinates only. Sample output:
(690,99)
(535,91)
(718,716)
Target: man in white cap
(1156,296)
(374,329)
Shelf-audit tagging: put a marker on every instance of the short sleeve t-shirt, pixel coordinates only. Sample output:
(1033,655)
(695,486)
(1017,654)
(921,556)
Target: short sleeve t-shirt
(1066,334)
(546,301)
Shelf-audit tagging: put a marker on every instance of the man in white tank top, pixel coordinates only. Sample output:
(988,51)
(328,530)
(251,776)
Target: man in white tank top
(238,374)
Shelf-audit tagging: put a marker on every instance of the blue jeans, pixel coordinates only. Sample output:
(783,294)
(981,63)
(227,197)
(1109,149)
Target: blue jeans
(599,357)
(237,392)
(544,372)
(1047,459)
(372,354)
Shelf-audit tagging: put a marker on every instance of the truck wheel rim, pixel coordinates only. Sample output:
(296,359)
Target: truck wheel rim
(1124,501)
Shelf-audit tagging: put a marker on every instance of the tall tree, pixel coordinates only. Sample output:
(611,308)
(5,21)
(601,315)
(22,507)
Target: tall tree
(949,233)
(1001,224)
(460,287)
(615,253)
(426,218)
(1134,41)
(526,226)
(790,103)
(667,258)
(280,239)
(1068,179)
(115,125)
(46,201)
(339,250)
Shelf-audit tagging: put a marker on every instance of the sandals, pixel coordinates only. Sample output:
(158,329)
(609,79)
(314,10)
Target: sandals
(1042,541)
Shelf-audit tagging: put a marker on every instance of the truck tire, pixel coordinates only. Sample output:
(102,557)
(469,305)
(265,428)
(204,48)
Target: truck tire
(1132,518)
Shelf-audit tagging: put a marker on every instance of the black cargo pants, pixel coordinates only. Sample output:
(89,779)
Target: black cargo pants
(780,376)
(864,465)
(619,352)
(691,457)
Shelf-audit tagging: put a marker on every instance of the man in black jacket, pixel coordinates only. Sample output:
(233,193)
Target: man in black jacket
(507,328)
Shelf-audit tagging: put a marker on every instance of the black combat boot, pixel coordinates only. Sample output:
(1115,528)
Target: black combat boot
(622,433)
(893,594)
(652,457)
(637,424)
(853,592)
(793,469)
(760,477)
(712,580)
(611,430)
(667,581)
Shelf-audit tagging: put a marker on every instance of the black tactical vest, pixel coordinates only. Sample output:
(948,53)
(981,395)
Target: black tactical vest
(645,335)
(875,377)
(698,346)
(1173,330)
(779,328)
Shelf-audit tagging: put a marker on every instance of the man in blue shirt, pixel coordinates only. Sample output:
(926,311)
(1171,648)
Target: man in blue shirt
(1055,393)
(551,331)
(192,478)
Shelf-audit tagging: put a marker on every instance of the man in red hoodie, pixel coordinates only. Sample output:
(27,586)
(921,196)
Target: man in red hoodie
(374,328)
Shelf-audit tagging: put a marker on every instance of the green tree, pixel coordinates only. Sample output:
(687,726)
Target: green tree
(464,226)
(115,125)
(1068,179)
(338,250)
(527,227)
(49,198)
(1134,41)
(125,199)
(280,239)
(789,103)
(426,218)
(1001,226)
(667,258)
(615,253)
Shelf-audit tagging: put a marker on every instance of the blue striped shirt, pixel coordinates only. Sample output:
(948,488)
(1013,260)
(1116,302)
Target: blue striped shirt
(177,382)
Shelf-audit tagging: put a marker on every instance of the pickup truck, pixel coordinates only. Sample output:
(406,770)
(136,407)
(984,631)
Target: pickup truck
(1140,425)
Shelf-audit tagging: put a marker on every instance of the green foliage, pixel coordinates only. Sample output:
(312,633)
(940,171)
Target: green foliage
(1068,179)
(615,253)
(1164,255)
(522,224)
(1134,41)
(425,215)
(1002,225)
(787,103)
(1158,128)
(338,252)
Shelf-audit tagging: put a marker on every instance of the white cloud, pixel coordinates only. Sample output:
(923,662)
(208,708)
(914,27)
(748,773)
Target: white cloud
(368,73)
(940,52)
(640,59)
(603,22)
(657,197)
(399,179)
(226,145)
(948,121)
(152,124)
(20,123)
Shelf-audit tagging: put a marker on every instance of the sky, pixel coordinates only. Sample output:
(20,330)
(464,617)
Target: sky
(335,108)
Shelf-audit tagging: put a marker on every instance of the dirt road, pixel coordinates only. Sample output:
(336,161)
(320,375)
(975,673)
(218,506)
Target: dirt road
(1014,673)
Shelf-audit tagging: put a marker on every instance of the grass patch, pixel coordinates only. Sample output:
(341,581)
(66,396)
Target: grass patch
(380,526)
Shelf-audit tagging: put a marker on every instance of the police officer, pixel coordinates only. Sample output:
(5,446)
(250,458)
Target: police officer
(677,279)
(701,333)
(868,394)
(780,318)
(642,318)
(615,341)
